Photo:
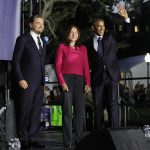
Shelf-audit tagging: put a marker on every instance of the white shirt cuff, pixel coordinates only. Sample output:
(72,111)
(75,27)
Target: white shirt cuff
(127,20)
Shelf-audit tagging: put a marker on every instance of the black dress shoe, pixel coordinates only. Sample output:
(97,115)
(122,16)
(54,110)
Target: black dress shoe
(37,145)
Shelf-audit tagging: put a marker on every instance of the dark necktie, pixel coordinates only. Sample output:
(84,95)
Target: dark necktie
(40,45)
(100,47)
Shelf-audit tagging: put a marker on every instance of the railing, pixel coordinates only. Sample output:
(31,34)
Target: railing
(125,108)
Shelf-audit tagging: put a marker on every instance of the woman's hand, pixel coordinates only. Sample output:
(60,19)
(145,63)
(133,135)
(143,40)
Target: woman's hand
(87,89)
(65,88)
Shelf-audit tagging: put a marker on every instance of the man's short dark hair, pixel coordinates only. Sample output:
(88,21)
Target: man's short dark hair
(97,19)
(32,18)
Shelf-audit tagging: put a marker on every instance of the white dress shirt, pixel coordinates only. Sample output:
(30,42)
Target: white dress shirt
(95,39)
(34,36)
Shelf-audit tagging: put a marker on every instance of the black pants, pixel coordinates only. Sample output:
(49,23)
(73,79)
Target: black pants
(28,112)
(106,94)
(74,97)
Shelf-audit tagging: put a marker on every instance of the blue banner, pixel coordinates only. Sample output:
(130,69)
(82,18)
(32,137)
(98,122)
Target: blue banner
(10,11)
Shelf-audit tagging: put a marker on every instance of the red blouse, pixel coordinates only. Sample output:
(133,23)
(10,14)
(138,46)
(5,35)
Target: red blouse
(72,61)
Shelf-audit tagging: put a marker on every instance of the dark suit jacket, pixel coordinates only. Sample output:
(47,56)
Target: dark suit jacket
(27,63)
(109,59)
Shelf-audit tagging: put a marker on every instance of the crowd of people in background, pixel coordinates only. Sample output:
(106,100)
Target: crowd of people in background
(139,95)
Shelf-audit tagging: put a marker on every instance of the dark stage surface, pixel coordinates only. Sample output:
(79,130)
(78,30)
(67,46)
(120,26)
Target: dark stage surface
(52,140)
(105,139)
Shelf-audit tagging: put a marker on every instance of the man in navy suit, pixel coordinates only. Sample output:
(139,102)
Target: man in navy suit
(28,65)
(105,72)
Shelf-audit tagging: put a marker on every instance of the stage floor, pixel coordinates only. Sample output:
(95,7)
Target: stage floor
(120,139)
(52,139)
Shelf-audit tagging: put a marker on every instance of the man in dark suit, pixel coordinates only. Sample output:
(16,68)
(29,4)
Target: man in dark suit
(28,65)
(105,72)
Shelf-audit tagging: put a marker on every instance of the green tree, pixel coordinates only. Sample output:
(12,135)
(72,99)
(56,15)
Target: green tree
(58,14)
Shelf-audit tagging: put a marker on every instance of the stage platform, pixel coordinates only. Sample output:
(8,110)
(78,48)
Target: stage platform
(106,139)
(52,140)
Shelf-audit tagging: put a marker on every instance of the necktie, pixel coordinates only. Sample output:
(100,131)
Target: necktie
(40,45)
(100,47)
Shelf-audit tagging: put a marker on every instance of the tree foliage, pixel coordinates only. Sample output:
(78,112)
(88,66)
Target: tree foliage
(55,11)
(58,14)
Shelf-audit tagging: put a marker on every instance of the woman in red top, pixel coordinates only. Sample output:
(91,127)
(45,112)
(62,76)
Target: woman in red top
(72,70)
